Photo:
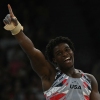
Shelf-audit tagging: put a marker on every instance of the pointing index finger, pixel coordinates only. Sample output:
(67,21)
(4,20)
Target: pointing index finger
(10,11)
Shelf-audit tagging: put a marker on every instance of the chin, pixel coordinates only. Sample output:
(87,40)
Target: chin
(67,66)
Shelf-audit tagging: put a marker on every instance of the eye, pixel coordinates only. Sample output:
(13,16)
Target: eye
(59,53)
(67,49)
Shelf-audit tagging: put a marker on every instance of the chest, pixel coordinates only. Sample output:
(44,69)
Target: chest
(67,86)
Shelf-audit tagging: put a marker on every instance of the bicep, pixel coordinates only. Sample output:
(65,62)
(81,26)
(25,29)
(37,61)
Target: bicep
(94,95)
(39,64)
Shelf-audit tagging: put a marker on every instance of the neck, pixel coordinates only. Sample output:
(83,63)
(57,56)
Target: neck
(69,71)
(72,72)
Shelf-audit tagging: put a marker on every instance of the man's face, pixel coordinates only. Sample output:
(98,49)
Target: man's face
(63,56)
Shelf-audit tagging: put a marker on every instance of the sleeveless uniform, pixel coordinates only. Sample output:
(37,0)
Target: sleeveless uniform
(68,88)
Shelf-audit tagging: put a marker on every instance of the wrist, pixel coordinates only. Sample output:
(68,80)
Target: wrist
(17,29)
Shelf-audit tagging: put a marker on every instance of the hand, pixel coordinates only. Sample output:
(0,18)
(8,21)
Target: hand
(10,18)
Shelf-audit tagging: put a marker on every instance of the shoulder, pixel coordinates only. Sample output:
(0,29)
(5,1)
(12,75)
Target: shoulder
(94,82)
(91,77)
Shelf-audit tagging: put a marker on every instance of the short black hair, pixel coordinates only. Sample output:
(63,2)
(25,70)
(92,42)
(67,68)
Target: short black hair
(54,42)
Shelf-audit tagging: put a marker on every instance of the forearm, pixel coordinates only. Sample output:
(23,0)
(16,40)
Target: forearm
(25,43)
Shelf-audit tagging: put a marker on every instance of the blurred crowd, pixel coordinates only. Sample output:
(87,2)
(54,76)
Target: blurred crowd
(42,21)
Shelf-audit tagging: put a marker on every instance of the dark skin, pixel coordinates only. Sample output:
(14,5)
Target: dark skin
(63,57)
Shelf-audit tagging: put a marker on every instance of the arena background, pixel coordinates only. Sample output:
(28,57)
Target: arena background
(42,20)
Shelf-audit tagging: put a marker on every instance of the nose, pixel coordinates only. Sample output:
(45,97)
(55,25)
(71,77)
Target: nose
(65,54)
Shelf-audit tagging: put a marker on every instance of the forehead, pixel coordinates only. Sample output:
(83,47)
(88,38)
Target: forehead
(61,46)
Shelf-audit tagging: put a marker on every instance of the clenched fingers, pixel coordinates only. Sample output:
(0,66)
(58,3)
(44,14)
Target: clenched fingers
(7,19)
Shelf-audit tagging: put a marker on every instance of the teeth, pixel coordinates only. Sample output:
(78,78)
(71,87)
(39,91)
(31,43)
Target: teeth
(67,58)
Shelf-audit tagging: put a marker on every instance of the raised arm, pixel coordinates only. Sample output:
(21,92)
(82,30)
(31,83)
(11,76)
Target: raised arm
(37,59)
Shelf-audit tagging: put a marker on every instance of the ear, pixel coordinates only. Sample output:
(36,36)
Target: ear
(54,60)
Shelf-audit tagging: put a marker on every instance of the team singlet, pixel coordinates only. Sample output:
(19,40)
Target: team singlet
(68,88)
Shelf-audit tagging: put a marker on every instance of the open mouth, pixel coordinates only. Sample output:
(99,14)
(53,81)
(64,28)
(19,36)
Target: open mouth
(67,60)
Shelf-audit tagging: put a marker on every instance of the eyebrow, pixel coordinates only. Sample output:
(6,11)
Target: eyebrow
(57,51)
(66,46)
